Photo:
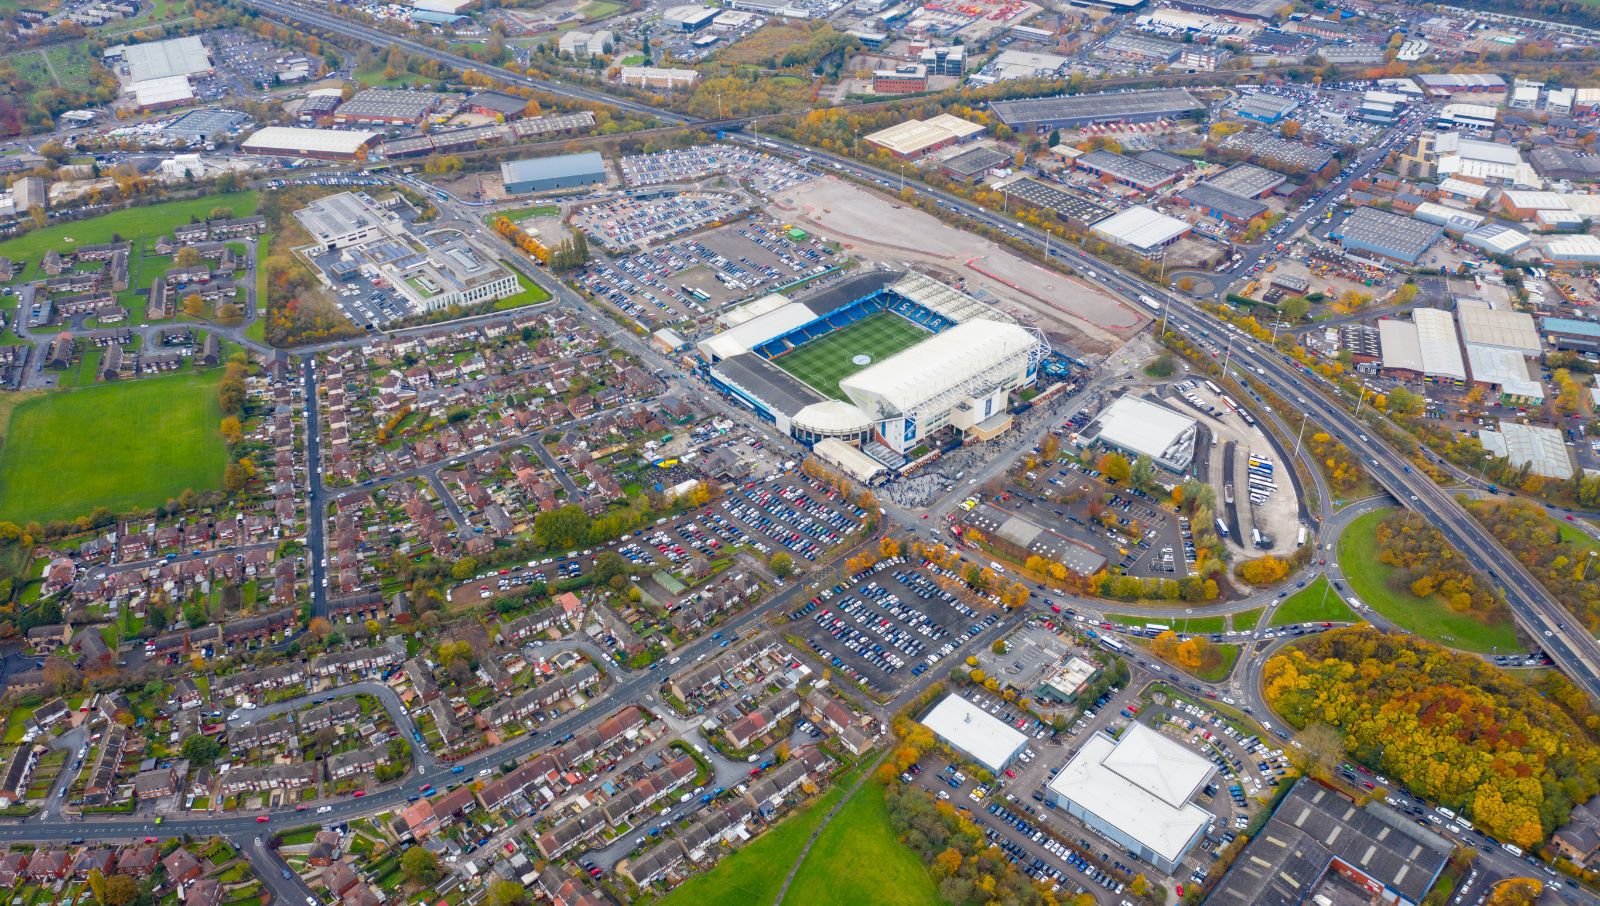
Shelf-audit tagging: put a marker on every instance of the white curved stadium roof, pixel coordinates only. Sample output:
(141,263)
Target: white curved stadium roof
(832,417)
(752,333)
(935,366)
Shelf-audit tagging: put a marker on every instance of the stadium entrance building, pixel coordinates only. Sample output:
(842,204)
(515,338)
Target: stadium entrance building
(885,362)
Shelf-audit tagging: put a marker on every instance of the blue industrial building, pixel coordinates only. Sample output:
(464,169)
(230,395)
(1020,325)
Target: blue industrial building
(546,174)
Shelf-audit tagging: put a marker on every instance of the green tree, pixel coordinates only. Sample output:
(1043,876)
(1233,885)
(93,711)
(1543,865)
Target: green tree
(782,564)
(506,893)
(201,749)
(464,569)
(419,866)
(120,890)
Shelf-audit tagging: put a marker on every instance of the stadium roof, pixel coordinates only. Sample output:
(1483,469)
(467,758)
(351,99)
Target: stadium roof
(990,741)
(160,59)
(902,382)
(290,141)
(1505,368)
(1140,785)
(165,90)
(832,417)
(1497,327)
(1141,228)
(835,296)
(747,335)
(1313,825)
(733,317)
(945,300)
(1134,423)
(1539,448)
(1089,108)
(782,392)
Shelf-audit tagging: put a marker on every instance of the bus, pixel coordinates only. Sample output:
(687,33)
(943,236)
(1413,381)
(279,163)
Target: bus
(1300,539)
(1222,527)
(1156,628)
(1112,644)
(1212,386)
(700,294)
(1228,401)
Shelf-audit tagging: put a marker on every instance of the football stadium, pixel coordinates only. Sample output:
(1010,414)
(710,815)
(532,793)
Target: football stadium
(876,369)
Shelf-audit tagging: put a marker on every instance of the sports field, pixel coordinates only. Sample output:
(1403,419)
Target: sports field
(824,363)
(125,446)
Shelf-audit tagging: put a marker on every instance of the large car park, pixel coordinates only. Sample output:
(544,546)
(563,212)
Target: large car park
(889,623)
(696,276)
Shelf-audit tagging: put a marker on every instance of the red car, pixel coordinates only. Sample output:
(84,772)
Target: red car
(262,819)
(1010,774)
(299,808)
(149,839)
(359,793)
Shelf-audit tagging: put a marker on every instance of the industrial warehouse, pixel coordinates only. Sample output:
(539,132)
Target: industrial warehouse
(547,174)
(888,363)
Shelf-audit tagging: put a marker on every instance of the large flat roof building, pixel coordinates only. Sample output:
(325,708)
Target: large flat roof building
(1386,235)
(1144,230)
(161,59)
(914,138)
(546,174)
(1139,427)
(1539,448)
(1427,346)
(387,106)
(1317,835)
(322,144)
(1072,111)
(1500,327)
(1124,170)
(1136,790)
(1280,152)
(969,729)
(1571,334)
(351,230)
(1247,181)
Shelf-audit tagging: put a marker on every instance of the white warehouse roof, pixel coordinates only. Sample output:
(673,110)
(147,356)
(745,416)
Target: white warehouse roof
(1141,785)
(905,380)
(278,139)
(1538,447)
(1505,368)
(1487,326)
(165,90)
(990,741)
(1441,353)
(1141,228)
(1134,423)
(159,59)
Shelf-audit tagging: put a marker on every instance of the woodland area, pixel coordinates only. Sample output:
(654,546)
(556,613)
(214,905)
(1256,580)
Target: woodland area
(1451,728)
(1428,566)
(1559,563)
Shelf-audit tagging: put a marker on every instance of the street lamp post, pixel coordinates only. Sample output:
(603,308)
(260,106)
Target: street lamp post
(1586,561)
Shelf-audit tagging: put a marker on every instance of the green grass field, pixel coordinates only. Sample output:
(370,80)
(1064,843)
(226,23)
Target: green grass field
(824,363)
(125,446)
(519,214)
(1316,603)
(755,873)
(1246,620)
(147,222)
(1430,618)
(858,859)
(1178,624)
(71,63)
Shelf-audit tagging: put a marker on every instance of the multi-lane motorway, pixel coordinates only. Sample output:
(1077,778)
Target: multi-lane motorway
(1577,653)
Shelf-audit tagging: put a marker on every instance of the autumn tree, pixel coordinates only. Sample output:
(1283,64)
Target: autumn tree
(231,431)
(781,563)
(1268,570)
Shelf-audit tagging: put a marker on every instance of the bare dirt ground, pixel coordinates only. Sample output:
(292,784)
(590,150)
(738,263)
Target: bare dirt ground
(877,228)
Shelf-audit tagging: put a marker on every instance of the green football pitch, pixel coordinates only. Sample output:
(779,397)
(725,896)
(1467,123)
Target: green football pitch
(824,363)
